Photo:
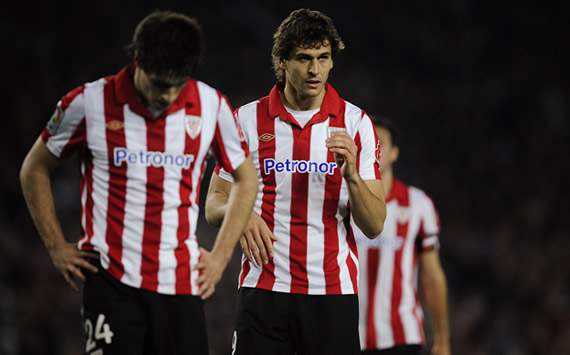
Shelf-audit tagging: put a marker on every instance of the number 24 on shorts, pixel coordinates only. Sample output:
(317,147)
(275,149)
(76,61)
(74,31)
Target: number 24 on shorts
(102,332)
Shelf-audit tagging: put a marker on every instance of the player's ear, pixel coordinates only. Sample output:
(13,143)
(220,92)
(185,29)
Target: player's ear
(395,153)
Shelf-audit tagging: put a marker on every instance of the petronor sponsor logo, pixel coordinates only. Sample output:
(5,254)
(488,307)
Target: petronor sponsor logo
(146,158)
(298,166)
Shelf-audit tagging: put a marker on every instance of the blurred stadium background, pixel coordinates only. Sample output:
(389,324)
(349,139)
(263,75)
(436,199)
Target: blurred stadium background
(477,88)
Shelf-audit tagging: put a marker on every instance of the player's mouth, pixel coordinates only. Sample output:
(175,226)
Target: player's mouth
(313,83)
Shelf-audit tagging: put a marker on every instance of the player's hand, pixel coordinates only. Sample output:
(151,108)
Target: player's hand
(257,240)
(440,348)
(345,149)
(70,262)
(210,268)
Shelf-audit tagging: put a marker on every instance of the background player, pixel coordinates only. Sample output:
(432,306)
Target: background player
(316,162)
(143,136)
(390,314)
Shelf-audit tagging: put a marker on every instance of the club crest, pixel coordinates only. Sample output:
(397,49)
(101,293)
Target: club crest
(193,126)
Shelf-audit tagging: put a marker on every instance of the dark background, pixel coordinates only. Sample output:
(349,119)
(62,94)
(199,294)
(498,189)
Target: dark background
(478,88)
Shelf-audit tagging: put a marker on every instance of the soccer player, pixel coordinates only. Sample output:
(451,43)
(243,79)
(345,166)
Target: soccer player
(143,136)
(390,315)
(316,159)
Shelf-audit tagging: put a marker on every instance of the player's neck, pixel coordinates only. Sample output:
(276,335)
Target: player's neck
(298,102)
(387,181)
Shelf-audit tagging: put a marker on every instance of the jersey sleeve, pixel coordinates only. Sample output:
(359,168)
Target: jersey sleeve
(65,133)
(368,160)
(428,236)
(229,144)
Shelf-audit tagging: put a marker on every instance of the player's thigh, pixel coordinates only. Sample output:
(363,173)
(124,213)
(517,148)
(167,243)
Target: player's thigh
(176,326)
(113,319)
(262,323)
(327,325)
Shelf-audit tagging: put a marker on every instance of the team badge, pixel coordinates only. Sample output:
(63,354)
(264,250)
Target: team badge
(55,120)
(193,126)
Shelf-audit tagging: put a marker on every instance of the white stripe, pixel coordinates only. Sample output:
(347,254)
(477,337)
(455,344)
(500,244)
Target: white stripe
(83,206)
(174,139)
(385,281)
(282,218)
(72,117)
(407,302)
(315,226)
(363,288)
(135,140)
(96,137)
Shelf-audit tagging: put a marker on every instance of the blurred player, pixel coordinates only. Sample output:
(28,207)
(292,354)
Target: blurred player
(390,314)
(143,136)
(316,158)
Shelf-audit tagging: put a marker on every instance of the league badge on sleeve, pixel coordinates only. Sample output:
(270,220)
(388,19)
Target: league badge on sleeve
(55,120)
(193,126)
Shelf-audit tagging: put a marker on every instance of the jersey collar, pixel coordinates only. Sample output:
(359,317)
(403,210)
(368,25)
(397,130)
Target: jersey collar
(125,93)
(398,192)
(329,107)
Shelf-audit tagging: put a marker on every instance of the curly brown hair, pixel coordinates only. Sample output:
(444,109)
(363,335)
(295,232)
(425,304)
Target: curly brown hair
(303,28)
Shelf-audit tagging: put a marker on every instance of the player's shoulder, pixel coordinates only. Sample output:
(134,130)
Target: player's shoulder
(248,111)
(419,197)
(206,89)
(354,114)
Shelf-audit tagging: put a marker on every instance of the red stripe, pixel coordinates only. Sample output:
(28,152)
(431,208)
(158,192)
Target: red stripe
(155,132)
(333,185)
(358,150)
(377,172)
(402,232)
(372,277)
(299,206)
(76,140)
(87,184)
(419,322)
(266,125)
(181,253)
(117,184)
(352,268)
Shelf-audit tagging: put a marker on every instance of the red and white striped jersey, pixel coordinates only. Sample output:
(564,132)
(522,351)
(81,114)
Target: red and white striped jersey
(303,197)
(390,313)
(140,177)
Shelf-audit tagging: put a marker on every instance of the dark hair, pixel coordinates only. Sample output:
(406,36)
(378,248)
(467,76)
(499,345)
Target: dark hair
(306,29)
(388,124)
(167,44)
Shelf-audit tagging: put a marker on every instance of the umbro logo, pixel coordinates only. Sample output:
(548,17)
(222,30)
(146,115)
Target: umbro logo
(266,137)
(115,125)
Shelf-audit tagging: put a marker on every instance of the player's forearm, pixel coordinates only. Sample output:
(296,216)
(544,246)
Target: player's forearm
(36,187)
(216,207)
(368,209)
(435,297)
(234,215)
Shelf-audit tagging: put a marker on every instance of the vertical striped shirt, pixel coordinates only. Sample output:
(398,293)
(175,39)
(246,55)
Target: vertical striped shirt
(390,313)
(303,198)
(140,176)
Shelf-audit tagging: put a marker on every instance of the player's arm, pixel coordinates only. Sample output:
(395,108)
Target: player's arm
(366,197)
(434,292)
(257,240)
(239,205)
(36,186)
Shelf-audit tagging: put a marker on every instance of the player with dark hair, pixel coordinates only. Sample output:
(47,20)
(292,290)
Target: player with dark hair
(316,157)
(143,136)
(391,318)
